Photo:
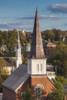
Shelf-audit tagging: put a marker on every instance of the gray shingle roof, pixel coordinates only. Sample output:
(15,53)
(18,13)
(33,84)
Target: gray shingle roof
(17,78)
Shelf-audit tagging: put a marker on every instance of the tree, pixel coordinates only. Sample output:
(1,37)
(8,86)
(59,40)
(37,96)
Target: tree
(3,72)
(48,34)
(3,68)
(27,95)
(65,68)
(65,40)
(1,80)
(24,59)
(58,92)
(59,60)
(57,33)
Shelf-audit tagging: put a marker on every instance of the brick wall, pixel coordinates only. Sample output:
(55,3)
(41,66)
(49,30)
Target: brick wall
(46,84)
(11,95)
(22,89)
(32,82)
(8,94)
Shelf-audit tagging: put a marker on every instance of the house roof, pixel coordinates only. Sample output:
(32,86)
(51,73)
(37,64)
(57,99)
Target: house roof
(46,43)
(17,78)
(50,44)
(9,62)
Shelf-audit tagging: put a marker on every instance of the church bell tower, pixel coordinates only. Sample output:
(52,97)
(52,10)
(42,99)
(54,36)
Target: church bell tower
(37,59)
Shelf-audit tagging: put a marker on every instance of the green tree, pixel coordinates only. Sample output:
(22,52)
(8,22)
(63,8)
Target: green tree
(24,59)
(57,33)
(58,92)
(3,68)
(27,95)
(3,72)
(48,34)
(65,68)
(59,60)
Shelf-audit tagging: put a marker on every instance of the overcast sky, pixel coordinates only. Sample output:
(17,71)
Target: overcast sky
(19,14)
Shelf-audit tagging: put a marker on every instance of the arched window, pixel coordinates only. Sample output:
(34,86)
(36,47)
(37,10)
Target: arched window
(39,92)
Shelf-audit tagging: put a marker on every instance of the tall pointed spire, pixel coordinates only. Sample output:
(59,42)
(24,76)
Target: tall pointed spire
(18,41)
(37,60)
(18,52)
(37,46)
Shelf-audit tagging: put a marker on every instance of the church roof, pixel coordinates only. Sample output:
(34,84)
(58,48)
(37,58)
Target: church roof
(17,78)
(37,46)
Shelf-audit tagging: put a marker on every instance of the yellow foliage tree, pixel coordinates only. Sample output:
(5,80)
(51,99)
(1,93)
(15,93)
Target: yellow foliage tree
(3,72)
(3,67)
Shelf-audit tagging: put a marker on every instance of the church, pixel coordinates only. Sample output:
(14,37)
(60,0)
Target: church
(33,74)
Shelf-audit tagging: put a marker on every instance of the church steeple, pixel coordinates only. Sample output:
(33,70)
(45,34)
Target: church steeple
(37,46)
(37,59)
(18,41)
(18,52)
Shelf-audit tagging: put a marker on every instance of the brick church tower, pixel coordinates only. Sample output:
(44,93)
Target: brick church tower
(37,59)
(40,84)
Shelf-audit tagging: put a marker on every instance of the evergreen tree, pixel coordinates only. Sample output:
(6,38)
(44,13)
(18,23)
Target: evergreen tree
(3,72)
(27,94)
(58,92)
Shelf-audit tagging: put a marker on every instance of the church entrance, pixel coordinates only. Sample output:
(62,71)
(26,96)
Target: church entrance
(39,92)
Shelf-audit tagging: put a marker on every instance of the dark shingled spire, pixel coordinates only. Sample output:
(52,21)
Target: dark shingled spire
(37,46)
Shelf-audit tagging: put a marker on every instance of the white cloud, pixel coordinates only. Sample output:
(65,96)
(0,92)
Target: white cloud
(58,8)
(40,17)
(10,26)
(48,17)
